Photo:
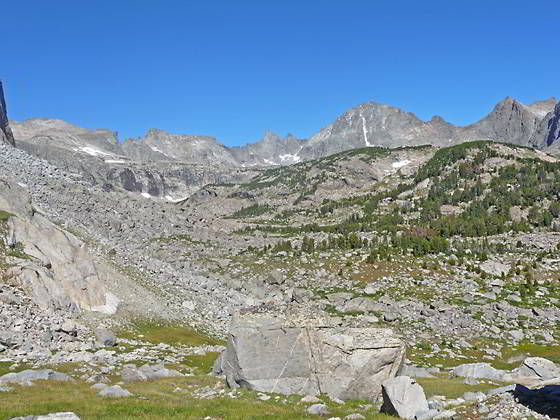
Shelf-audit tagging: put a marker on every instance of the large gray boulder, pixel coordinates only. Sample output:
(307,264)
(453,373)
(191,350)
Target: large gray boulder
(480,371)
(495,268)
(360,304)
(105,337)
(114,391)
(403,397)
(26,377)
(292,352)
(147,372)
(537,369)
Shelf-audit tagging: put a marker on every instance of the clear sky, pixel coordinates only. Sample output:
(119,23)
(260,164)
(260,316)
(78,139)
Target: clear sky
(234,69)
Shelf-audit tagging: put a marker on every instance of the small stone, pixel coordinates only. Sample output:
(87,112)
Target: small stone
(354,416)
(114,391)
(105,337)
(311,399)
(318,409)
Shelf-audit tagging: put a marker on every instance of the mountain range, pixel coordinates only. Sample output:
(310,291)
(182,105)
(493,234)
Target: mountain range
(369,124)
(173,166)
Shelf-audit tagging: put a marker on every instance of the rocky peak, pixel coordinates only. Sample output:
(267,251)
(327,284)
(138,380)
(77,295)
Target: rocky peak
(553,123)
(5,130)
(437,119)
(270,136)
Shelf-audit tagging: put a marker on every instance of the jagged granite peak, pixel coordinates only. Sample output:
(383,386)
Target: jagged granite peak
(548,132)
(162,145)
(542,108)
(510,121)
(6,134)
(270,150)
(377,124)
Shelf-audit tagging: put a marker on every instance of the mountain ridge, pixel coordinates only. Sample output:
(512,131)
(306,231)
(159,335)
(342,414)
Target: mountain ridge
(173,166)
(368,124)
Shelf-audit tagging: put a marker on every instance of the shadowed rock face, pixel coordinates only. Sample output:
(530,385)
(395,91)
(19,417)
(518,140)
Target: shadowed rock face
(5,130)
(551,125)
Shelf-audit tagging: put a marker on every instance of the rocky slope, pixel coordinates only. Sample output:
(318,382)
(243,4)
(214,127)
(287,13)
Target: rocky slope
(225,250)
(97,157)
(451,250)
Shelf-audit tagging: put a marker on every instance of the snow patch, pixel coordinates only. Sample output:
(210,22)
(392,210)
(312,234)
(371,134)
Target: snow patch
(175,200)
(269,162)
(368,144)
(92,151)
(114,161)
(146,195)
(290,158)
(111,305)
(155,149)
(401,163)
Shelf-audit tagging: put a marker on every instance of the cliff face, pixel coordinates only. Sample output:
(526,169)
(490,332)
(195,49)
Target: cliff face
(552,121)
(5,130)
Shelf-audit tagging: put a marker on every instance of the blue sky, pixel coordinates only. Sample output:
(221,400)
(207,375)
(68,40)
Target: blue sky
(236,69)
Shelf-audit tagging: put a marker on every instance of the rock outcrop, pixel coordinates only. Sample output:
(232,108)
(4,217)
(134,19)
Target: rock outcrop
(297,353)
(26,377)
(536,369)
(548,133)
(147,372)
(54,266)
(403,397)
(532,370)
(6,135)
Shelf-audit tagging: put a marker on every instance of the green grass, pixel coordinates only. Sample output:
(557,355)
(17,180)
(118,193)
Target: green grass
(202,363)
(418,355)
(4,215)
(550,352)
(5,367)
(450,387)
(157,333)
(157,400)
